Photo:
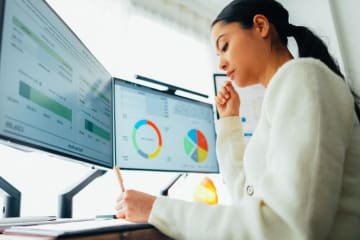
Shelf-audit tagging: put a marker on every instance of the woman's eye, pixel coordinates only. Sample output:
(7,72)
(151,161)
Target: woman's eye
(224,48)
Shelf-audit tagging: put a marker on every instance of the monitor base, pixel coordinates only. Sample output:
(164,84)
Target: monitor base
(65,199)
(12,199)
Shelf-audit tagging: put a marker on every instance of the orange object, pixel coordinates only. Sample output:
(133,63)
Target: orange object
(206,192)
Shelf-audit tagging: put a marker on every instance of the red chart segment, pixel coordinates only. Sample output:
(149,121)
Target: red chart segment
(201,140)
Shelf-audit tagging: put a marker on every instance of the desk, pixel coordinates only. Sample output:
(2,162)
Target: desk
(143,234)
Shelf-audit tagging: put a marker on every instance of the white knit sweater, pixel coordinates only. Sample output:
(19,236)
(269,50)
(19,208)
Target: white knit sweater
(299,177)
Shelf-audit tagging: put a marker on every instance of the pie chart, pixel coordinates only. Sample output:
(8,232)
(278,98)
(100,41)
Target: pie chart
(196,146)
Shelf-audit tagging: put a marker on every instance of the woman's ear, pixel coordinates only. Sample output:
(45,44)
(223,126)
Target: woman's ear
(261,25)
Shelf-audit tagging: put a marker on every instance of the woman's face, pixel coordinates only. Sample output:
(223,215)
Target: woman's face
(240,52)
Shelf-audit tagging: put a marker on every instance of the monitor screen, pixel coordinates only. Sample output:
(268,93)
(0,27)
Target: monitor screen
(251,100)
(160,131)
(54,95)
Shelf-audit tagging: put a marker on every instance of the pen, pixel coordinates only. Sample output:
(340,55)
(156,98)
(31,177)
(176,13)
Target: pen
(119,177)
(110,216)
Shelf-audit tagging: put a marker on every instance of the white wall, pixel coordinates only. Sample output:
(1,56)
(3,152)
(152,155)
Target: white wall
(101,25)
(346,17)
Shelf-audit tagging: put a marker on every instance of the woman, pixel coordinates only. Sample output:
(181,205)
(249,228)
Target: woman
(299,176)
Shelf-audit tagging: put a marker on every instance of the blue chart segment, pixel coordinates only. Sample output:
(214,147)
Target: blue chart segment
(195,146)
(144,124)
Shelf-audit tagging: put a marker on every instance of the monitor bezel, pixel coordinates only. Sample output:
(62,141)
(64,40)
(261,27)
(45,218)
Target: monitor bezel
(133,84)
(31,147)
(215,77)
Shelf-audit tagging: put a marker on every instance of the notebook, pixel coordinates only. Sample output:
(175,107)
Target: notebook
(22,221)
(77,228)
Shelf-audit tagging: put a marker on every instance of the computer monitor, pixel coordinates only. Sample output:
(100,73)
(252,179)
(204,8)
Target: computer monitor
(160,131)
(251,101)
(55,96)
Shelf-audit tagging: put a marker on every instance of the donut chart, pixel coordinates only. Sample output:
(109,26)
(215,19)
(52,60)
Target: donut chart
(196,146)
(139,139)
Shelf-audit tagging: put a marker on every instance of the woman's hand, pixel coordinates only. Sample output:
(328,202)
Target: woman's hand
(134,206)
(228,101)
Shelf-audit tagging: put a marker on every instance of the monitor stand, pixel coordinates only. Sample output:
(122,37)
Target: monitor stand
(12,199)
(165,191)
(65,199)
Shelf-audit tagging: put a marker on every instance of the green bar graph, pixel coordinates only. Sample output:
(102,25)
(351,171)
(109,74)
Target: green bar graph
(40,42)
(42,100)
(91,127)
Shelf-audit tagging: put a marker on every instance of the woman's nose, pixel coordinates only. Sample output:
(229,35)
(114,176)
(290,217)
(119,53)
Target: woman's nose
(222,64)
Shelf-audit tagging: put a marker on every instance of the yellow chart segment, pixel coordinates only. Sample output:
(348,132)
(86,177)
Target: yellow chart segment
(202,154)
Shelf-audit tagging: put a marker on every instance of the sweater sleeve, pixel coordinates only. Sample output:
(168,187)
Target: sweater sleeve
(230,152)
(310,121)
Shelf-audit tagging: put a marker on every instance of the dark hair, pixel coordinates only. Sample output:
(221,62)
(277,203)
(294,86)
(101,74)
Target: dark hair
(309,45)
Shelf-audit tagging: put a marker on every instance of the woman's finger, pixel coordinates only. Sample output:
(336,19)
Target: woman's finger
(121,214)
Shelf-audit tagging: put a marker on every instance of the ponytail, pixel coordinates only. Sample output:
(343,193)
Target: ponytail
(310,45)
